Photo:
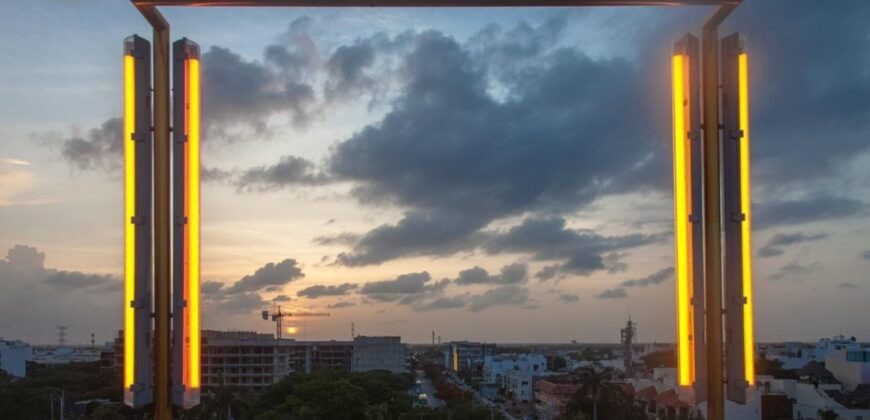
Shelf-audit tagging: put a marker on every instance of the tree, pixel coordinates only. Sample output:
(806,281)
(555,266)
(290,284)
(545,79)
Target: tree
(594,387)
(827,414)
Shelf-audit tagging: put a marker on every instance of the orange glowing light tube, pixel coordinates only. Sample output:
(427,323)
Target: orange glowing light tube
(186,181)
(682,211)
(129,214)
(136,144)
(746,228)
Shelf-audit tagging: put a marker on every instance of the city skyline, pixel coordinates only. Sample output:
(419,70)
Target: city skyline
(492,175)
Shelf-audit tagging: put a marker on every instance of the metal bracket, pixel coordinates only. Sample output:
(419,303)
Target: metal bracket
(137,303)
(694,218)
(738,217)
(137,220)
(735,134)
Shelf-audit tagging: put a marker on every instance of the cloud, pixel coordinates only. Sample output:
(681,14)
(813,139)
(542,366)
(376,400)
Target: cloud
(847,285)
(316,291)
(510,274)
(289,171)
(568,298)
(815,208)
(99,148)
(269,277)
(47,294)
(653,279)
(281,298)
(866,255)
(73,280)
(550,239)
(547,273)
(441,303)
(775,245)
(795,270)
(239,92)
(347,67)
(507,295)
(344,238)
(617,293)
(243,296)
(405,289)
(445,153)
(341,304)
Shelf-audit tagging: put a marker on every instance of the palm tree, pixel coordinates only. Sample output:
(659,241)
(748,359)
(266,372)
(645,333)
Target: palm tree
(594,384)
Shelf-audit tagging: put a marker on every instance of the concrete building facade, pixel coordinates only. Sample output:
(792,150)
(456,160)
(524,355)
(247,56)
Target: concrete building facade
(378,353)
(14,356)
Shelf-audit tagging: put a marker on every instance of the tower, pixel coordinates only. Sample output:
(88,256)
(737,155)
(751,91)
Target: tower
(628,335)
(61,334)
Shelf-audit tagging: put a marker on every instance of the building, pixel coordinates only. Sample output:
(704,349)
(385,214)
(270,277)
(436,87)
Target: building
(850,367)
(249,359)
(795,355)
(461,356)
(330,355)
(14,356)
(495,365)
(378,353)
(52,355)
(552,395)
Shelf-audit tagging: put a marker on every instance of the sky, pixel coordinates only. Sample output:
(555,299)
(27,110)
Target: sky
(488,174)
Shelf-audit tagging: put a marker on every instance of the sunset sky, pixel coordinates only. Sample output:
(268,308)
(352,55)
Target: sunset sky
(490,174)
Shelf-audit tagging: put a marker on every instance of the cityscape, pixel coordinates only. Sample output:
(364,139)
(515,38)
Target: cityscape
(435,209)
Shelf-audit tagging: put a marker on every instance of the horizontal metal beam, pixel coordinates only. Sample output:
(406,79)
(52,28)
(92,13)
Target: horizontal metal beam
(427,3)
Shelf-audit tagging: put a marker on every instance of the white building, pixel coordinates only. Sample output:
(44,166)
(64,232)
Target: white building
(850,367)
(464,355)
(379,353)
(796,355)
(495,365)
(14,356)
(60,355)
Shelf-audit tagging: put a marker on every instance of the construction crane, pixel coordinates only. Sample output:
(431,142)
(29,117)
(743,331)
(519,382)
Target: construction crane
(278,316)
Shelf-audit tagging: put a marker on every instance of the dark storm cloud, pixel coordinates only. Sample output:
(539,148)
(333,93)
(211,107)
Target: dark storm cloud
(71,280)
(795,271)
(289,171)
(617,293)
(417,233)
(550,239)
(319,290)
(243,296)
(510,274)
(213,174)
(445,151)
(508,295)
(347,67)
(568,298)
(268,276)
(775,245)
(809,88)
(238,91)
(808,209)
(99,148)
(405,289)
(547,273)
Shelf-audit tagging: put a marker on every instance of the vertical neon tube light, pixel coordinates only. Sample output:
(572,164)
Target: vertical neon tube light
(193,209)
(682,211)
(186,350)
(129,214)
(136,144)
(746,208)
